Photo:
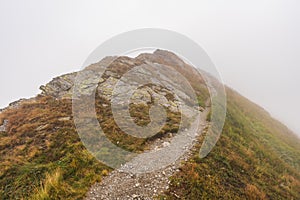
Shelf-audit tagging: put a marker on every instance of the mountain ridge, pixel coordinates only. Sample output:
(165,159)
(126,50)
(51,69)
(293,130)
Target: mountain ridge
(257,157)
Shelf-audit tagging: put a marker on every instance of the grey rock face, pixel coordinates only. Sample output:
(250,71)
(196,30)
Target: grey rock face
(3,126)
(60,87)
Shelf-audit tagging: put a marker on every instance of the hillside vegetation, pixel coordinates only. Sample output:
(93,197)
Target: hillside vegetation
(42,157)
(256,158)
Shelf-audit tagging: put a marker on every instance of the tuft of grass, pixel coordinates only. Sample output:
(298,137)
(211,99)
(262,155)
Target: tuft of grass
(104,172)
(50,185)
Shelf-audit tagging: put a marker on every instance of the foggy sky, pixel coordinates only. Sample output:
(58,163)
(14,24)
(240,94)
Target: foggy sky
(254,44)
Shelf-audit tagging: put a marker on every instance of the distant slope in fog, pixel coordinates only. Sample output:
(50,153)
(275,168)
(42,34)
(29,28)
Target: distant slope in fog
(257,157)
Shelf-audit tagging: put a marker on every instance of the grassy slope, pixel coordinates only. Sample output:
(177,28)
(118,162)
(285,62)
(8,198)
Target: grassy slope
(256,158)
(41,156)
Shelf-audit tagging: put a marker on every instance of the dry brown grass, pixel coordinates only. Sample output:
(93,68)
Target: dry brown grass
(253,193)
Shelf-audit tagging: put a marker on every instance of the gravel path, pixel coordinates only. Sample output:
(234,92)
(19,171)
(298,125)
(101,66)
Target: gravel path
(141,178)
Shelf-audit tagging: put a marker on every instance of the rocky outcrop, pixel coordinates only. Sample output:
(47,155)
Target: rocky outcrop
(3,126)
(60,87)
(112,69)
